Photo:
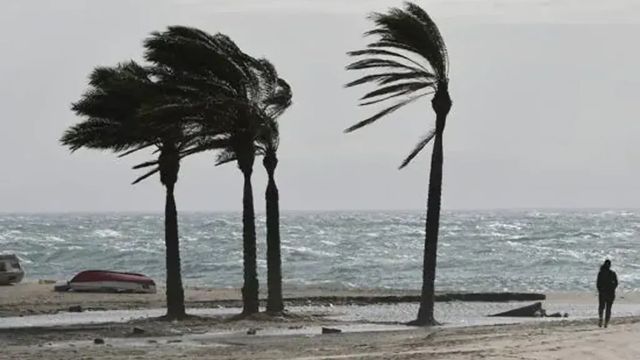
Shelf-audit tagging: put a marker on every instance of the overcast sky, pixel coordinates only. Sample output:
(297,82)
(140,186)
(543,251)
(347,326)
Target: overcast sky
(546,103)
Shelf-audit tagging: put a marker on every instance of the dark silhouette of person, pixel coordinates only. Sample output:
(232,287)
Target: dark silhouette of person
(607,283)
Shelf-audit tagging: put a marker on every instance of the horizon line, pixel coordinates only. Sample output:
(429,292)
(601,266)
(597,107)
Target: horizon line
(532,208)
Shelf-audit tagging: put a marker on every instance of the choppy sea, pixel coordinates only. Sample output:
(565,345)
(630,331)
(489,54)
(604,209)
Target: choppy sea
(514,250)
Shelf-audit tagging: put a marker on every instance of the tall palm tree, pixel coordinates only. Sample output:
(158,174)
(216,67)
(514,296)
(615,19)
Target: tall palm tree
(113,108)
(241,148)
(411,61)
(275,105)
(215,62)
(255,121)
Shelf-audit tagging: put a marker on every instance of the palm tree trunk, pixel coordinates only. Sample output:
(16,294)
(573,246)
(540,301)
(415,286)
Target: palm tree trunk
(441,104)
(175,291)
(250,288)
(274,265)
(425,314)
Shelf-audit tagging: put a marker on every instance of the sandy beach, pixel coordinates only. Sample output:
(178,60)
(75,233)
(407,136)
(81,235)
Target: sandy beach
(298,335)
(542,340)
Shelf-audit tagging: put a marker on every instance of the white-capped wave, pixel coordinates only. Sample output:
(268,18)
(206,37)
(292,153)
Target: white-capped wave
(107,233)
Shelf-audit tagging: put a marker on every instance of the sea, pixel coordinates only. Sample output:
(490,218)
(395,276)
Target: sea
(506,250)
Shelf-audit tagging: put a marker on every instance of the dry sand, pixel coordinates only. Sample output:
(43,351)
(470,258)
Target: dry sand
(219,338)
(29,299)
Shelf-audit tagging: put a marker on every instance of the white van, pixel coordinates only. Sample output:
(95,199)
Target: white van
(10,270)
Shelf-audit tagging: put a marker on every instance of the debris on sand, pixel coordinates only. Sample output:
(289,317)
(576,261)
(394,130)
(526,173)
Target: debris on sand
(326,330)
(533,310)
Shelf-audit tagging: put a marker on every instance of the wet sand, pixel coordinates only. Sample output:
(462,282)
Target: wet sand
(569,340)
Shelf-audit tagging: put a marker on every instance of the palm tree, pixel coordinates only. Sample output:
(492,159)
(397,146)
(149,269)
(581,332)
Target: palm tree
(277,103)
(254,131)
(227,87)
(113,108)
(241,148)
(411,58)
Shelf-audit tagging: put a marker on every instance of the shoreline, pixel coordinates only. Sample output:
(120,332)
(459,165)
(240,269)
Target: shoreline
(33,298)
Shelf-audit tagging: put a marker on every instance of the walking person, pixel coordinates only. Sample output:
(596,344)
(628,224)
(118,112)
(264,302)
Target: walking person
(607,283)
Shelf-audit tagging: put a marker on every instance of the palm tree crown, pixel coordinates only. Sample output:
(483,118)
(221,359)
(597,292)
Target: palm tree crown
(412,61)
(121,114)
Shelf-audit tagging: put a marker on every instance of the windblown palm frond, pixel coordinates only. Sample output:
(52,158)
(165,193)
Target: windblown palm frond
(275,105)
(416,150)
(110,107)
(384,112)
(226,156)
(412,30)
(104,134)
(150,173)
(206,143)
(411,58)
(280,100)
(187,51)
